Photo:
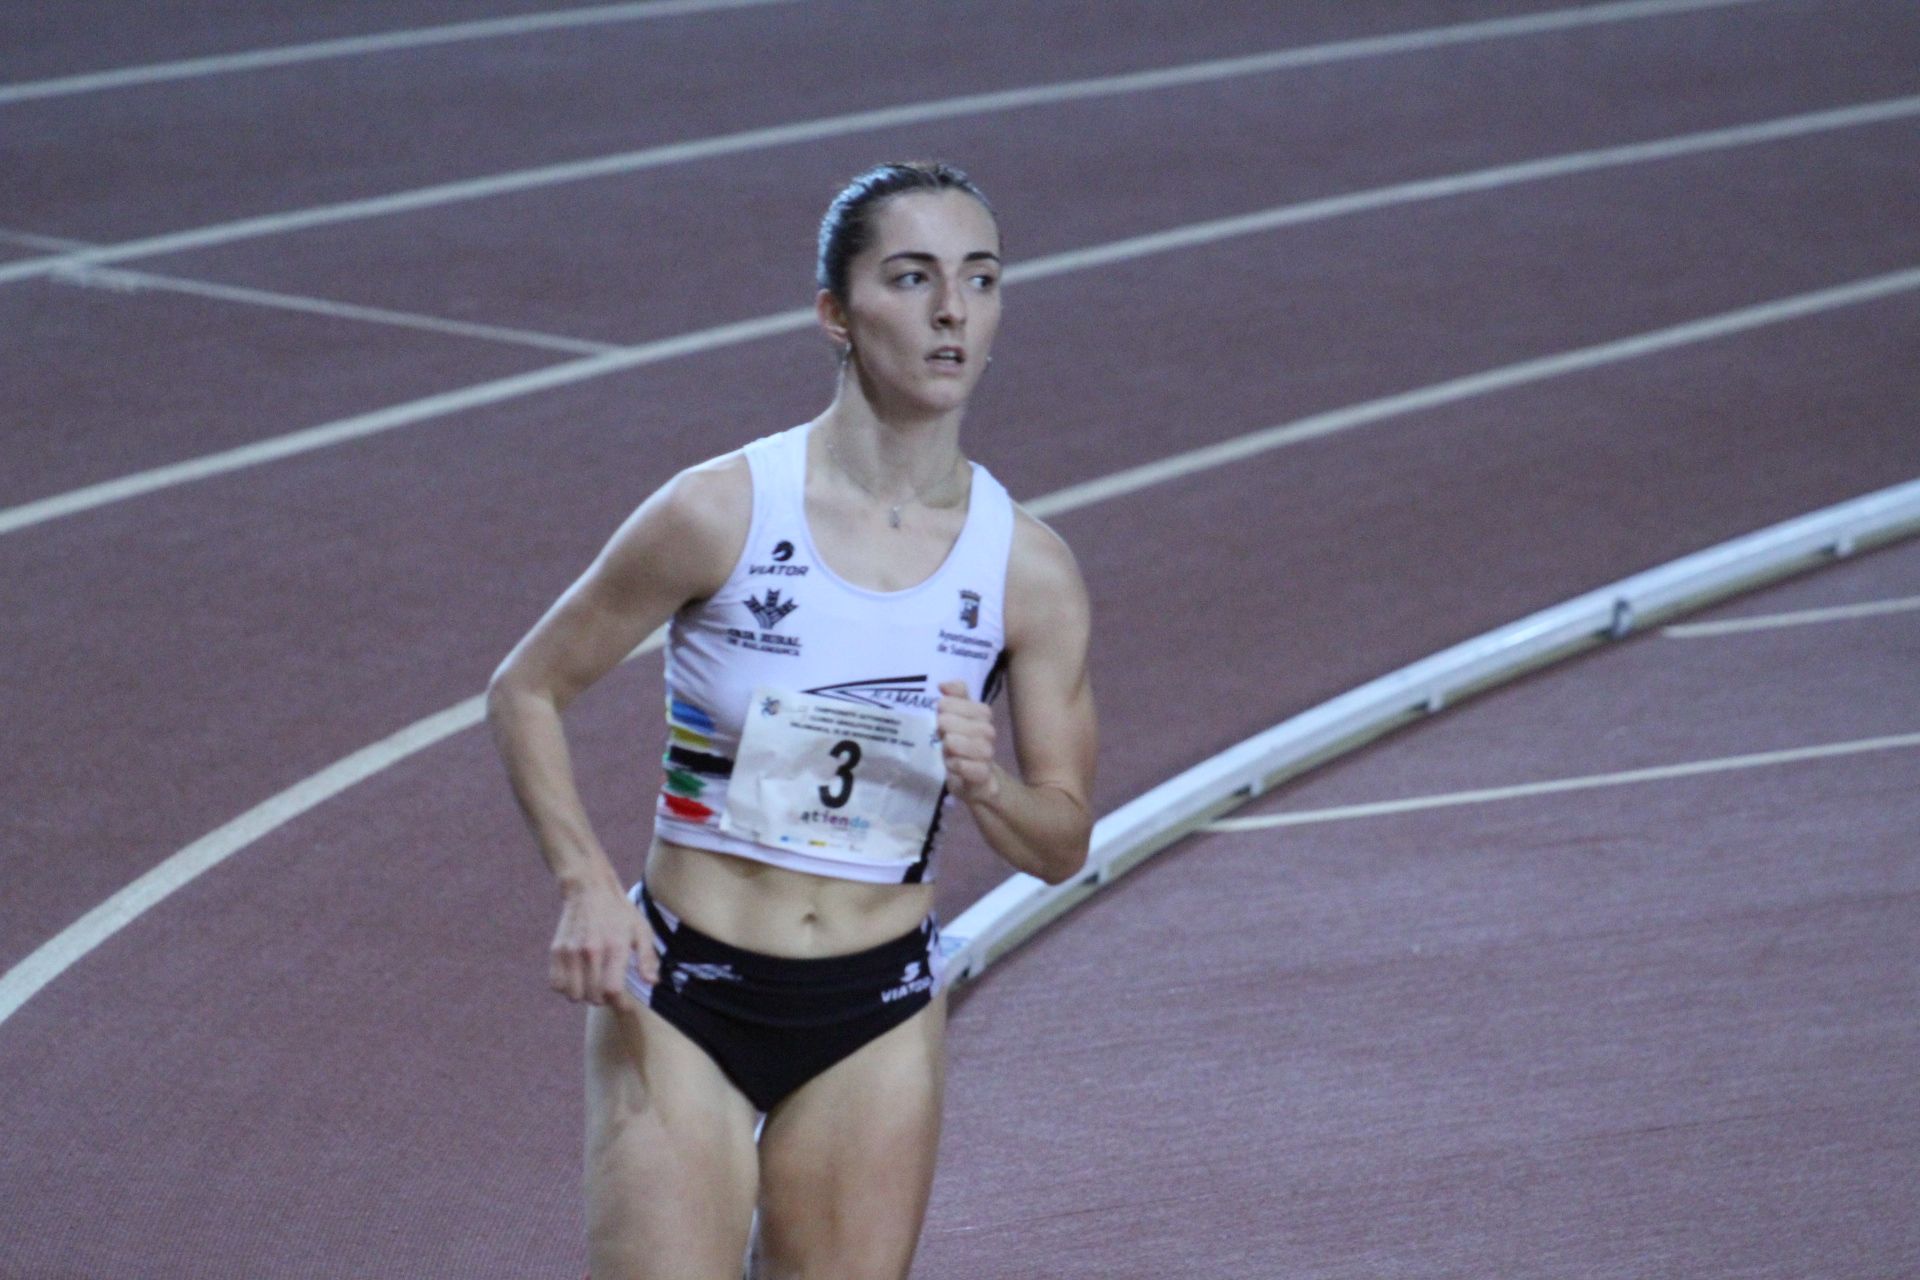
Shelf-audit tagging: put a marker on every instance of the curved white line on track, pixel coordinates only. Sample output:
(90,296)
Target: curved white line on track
(1486,795)
(1798,618)
(129,904)
(71,944)
(358,46)
(699,341)
(856,122)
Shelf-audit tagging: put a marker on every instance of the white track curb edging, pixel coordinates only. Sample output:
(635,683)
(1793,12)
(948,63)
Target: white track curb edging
(1022,905)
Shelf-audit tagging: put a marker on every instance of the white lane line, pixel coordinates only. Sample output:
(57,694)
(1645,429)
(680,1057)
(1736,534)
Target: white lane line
(67,947)
(358,46)
(1797,618)
(52,244)
(441,405)
(120,280)
(1568,164)
(857,122)
(1501,379)
(700,341)
(1685,769)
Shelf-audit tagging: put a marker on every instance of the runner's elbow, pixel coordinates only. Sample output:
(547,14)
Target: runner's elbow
(500,689)
(1066,864)
(508,689)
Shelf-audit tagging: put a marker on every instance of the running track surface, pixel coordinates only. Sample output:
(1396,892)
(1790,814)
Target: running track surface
(1657,1029)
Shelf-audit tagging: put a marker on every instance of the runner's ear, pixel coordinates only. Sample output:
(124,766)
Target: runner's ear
(832,317)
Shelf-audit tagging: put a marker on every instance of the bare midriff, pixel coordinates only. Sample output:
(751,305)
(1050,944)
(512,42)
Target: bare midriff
(778,912)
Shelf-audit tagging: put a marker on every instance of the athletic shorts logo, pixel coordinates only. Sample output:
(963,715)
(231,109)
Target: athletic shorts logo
(768,612)
(970,608)
(681,973)
(912,982)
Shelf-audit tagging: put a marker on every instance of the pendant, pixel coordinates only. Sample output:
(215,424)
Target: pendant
(893,516)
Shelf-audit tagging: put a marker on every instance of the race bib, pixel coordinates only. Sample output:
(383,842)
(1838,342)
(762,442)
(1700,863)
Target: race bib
(840,779)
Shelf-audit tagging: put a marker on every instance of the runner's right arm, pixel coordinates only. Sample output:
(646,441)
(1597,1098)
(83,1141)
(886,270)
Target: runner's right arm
(678,546)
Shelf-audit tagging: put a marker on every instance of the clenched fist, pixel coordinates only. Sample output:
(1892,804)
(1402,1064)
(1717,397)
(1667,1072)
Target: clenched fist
(966,743)
(599,930)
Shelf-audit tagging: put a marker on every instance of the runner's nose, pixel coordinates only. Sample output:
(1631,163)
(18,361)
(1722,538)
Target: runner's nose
(950,306)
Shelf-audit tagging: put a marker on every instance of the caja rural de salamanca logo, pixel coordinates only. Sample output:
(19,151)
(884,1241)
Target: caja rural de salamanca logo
(768,612)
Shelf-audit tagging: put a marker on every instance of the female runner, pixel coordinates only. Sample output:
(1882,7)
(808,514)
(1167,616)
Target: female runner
(844,599)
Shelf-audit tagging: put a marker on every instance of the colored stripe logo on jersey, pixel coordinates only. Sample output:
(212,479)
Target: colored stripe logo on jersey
(703,763)
(682,783)
(690,769)
(691,810)
(686,715)
(687,737)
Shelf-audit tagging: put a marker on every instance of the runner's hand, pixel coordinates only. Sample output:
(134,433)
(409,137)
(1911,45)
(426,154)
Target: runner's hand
(599,930)
(966,743)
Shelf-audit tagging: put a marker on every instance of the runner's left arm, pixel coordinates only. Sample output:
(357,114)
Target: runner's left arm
(1039,819)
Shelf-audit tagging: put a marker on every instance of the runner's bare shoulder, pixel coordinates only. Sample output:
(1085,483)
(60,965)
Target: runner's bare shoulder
(690,532)
(1045,590)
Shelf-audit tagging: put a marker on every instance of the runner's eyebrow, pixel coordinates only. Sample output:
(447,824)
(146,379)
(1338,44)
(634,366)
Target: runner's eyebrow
(920,255)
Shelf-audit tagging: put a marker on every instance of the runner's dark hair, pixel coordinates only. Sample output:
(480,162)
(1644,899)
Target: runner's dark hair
(847,227)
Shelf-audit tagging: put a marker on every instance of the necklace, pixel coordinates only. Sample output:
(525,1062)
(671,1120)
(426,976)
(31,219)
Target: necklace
(893,508)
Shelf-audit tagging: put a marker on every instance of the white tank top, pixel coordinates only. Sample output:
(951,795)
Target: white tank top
(846,666)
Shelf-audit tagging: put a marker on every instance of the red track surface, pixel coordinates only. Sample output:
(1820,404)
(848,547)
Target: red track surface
(1663,1028)
(334,1054)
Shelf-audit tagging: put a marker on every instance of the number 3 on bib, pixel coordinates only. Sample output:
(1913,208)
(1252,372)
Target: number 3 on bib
(848,750)
(794,777)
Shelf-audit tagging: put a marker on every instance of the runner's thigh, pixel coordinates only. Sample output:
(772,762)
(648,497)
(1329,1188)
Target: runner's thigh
(846,1162)
(670,1164)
